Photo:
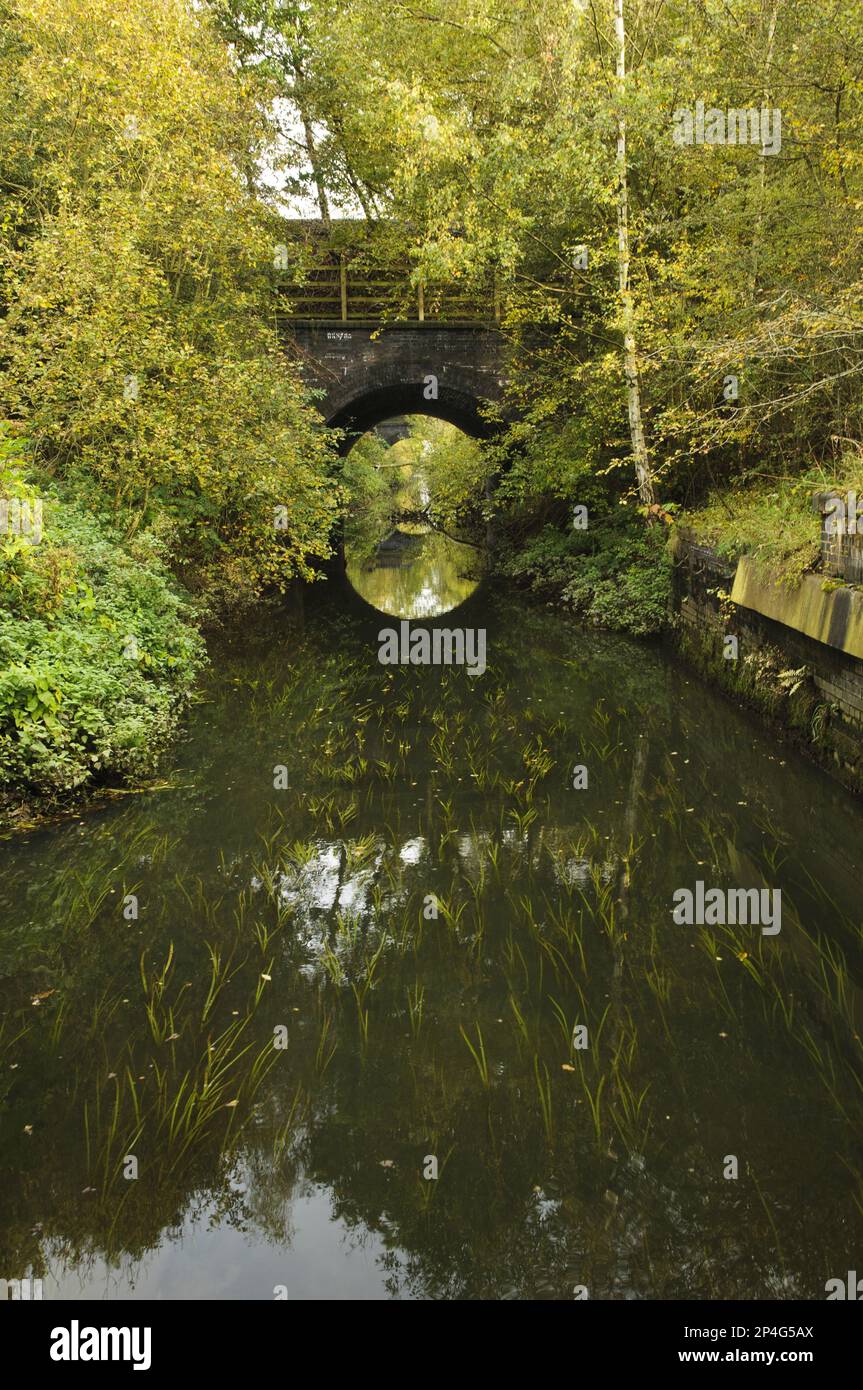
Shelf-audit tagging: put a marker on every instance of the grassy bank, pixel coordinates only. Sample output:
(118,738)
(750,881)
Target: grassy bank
(772,519)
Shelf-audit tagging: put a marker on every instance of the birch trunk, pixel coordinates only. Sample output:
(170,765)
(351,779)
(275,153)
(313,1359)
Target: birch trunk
(643,471)
(766,98)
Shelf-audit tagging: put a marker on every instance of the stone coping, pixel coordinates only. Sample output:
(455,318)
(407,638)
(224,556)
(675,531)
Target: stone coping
(829,614)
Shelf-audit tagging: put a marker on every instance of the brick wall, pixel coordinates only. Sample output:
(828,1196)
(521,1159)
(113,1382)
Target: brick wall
(841,535)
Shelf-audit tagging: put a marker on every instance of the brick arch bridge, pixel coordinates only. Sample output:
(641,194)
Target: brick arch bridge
(366,374)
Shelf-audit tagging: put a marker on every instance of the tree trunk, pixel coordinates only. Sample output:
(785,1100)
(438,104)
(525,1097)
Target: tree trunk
(643,471)
(311,148)
(316,174)
(762,174)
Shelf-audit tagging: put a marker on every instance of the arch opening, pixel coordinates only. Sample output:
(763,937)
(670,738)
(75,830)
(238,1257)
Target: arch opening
(412,537)
(396,399)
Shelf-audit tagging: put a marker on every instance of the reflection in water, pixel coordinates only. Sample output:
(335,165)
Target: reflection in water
(415,574)
(284,1034)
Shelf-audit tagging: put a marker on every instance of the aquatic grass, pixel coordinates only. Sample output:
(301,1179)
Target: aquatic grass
(826,1069)
(512,785)
(161,847)
(607,743)
(441,746)
(452,915)
(102,1011)
(537,759)
(478,1054)
(600,750)
(556,957)
(408,939)
(787,1009)
(360,851)
(270,877)
(523,820)
(478,771)
(488,875)
(372,961)
(660,984)
(282,1137)
(325,1051)
(710,945)
(416,1002)
(594,1101)
(544,1089)
(7,1043)
(263,980)
(265,931)
(206,1098)
(348,926)
(834,978)
(569,929)
(362,1015)
(271,839)
(595,1031)
(299,853)
(322,808)
(346,813)
(606,904)
(332,965)
(633,1132)
(57,1022)
(512,951)
(520,1020)
(87,905)
(220,975)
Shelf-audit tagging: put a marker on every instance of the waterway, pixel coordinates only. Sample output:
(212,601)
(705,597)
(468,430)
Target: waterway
(307,1021)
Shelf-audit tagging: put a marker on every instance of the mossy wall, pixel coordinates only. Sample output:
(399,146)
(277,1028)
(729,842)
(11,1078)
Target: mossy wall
(830,613)
(810,690)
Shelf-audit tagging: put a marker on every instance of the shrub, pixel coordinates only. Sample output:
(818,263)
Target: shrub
(98,653)
(616,574)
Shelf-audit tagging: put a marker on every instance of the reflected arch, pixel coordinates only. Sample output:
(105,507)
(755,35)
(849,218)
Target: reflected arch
(396,558)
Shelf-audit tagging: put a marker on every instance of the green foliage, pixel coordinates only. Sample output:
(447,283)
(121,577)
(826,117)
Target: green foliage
(455,469)
(137,270)
(490,139)
(778,528)
(98,653)
(137,232)
(616,574)
(762,679)
(370,481)
(437,470)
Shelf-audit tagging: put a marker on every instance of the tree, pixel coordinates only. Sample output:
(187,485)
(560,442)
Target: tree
(646,485)
(137,342)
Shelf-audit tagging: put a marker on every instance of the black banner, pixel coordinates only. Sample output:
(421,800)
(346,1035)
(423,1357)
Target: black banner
(62,1339)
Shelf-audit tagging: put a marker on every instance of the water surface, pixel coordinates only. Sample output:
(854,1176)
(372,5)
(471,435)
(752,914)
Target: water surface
(415,572)
(304,913)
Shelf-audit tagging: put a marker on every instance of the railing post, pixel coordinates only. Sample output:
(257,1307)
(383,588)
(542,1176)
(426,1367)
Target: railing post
(421,305)
(343,285)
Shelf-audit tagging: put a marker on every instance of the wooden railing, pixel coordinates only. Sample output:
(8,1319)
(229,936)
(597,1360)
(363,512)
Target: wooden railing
(354,272)
(340,288)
